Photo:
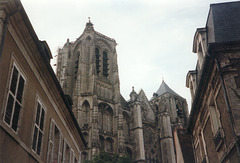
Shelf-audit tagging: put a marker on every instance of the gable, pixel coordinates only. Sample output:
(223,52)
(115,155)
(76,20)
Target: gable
(147,112)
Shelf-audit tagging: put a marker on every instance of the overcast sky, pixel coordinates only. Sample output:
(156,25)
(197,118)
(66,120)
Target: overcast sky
(154,37)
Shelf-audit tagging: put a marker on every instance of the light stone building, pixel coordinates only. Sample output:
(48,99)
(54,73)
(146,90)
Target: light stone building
(87,70)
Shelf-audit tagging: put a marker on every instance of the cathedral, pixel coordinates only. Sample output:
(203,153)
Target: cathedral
(87,71)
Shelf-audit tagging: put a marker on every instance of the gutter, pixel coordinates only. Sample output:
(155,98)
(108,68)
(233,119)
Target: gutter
(4,35)
(5,26)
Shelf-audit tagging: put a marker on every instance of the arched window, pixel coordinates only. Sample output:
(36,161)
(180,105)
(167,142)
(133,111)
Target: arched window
(129,152)
(100,120)
(179,111)
(76,65)
(105,64)
(85,135)
(105,117)
(84,156)
(109,145)
(85,111)
(101,140)
(126,125)
(97,60)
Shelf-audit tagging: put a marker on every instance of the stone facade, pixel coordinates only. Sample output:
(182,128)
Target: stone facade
(215,88)
(87,70)
(36,120)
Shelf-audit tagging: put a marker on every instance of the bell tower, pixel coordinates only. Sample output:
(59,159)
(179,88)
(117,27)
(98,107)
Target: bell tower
(87,70)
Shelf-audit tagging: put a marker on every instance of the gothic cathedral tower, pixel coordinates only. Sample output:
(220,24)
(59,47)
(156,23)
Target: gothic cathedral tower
(88,72)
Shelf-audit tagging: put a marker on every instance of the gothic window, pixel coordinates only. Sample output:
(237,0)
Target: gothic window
(109,145)
(76,65)
(105,64)
(101,139)
(105,121)
(126,125)
(105,116)
(100,120)
(85,135)
(129,152)
(38,128)
(110,121)
(86,111)
(14,98)
(97,60)
(84,156)
(179,111)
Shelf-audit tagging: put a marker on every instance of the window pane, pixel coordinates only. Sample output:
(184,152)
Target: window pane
(38,114)
(34,138)
(39,142)
(42,119)
(9,109)
(20,89)
(16,116)
(14,80)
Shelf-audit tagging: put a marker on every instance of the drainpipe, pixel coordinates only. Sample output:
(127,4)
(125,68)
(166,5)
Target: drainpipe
(229,110)
(4,35)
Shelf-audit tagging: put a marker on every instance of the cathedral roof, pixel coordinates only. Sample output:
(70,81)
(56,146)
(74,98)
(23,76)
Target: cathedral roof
(164,88)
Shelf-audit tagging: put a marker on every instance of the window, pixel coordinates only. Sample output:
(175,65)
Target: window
(215,119)
(67,153)
(101,144)
(86,112)
(38,128)
(76,65)
(14,99)
(55,144)
(97,60)
(109,145)
(179,111)
(105,64)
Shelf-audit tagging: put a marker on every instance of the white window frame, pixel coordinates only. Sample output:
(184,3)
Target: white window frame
(42,107)
(51,141)
(8,92)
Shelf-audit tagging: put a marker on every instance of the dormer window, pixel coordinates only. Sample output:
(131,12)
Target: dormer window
(105,64)
(97,60)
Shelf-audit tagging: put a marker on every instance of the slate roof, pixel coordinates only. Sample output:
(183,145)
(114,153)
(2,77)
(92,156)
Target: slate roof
(164,88)
(223,22)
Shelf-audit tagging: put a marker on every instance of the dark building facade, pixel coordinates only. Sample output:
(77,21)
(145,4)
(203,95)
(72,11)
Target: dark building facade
(215,86)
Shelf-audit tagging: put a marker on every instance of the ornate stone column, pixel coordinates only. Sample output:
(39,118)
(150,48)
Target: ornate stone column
(166,138)
(121,149)
(94,129)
